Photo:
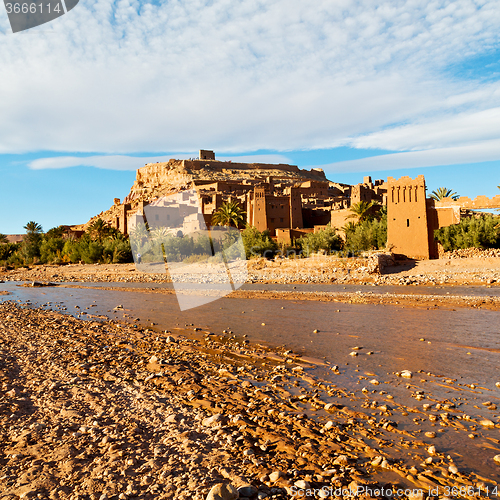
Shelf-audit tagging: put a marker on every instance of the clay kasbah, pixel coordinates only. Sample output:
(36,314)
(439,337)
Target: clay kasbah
(98,403)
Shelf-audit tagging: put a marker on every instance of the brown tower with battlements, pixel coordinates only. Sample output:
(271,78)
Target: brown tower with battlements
(407,228)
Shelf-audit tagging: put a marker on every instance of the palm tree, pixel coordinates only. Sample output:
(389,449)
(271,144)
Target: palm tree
(362,210)
(31,242)
(33,227)
(443,192)
(348,228)
(3,239)
(98,229)
(229,214)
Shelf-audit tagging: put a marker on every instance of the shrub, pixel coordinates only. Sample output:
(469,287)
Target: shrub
(366,235)
(258,244)
(480,232)
(51,250)
(117,251)
(326,240)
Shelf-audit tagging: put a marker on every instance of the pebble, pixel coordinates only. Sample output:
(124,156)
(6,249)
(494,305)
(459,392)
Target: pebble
(223,491)
(274,476)
(487,423)
(303,485)
(496,458)
(247,491)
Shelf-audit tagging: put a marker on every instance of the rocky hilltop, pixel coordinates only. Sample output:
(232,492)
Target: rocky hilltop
(161,179)
(158,179)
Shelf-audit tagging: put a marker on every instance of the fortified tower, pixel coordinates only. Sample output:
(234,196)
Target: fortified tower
(407,228)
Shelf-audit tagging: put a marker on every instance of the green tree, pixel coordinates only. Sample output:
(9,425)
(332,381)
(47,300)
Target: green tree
(30,248)
(51,250)
(99,230)
(33,227)
(444,192)
(363,210)
(367,235)
(258,244)
(229,214)
(3,239)
(479,232)
(326,240)
(55,232)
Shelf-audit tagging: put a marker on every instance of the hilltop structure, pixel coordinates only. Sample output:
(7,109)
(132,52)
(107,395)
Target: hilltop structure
(282,198)
(286,200)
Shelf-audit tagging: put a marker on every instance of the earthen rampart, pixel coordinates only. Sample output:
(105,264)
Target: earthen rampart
(478,203)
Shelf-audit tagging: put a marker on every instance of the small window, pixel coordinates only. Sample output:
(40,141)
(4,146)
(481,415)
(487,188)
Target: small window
(272,220)
(281,219)
(407,222)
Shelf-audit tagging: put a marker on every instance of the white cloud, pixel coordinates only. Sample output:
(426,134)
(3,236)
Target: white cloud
(472,153)
(122,162)
(122,77)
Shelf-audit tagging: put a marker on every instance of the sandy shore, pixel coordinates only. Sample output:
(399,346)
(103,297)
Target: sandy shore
(103,410)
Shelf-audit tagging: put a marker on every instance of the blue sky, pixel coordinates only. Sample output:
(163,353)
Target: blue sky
(356,87)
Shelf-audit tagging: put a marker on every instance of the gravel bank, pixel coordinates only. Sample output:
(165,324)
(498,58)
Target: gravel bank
(102,410)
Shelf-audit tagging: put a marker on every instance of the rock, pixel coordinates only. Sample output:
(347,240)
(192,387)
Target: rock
(430,434)
(303,485)
(223,492)
(415,494)
(341,460)
(406,374)
(453,469)
(498,384)
(487,423)
(431,450)
(247,490)
(377,461)
(274,476)
(374,382)
(212,421)
(496,458)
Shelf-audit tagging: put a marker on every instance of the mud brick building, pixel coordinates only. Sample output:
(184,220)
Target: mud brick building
(285,200)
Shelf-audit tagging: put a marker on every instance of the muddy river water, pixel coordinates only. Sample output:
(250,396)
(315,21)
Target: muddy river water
(453,355)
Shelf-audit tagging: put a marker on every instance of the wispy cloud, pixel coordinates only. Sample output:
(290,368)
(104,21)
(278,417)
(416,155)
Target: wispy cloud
(472,153)
(123,162)
(128,76)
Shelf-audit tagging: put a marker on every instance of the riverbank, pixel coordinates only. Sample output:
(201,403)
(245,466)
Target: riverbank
(451,270)
(102,408)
